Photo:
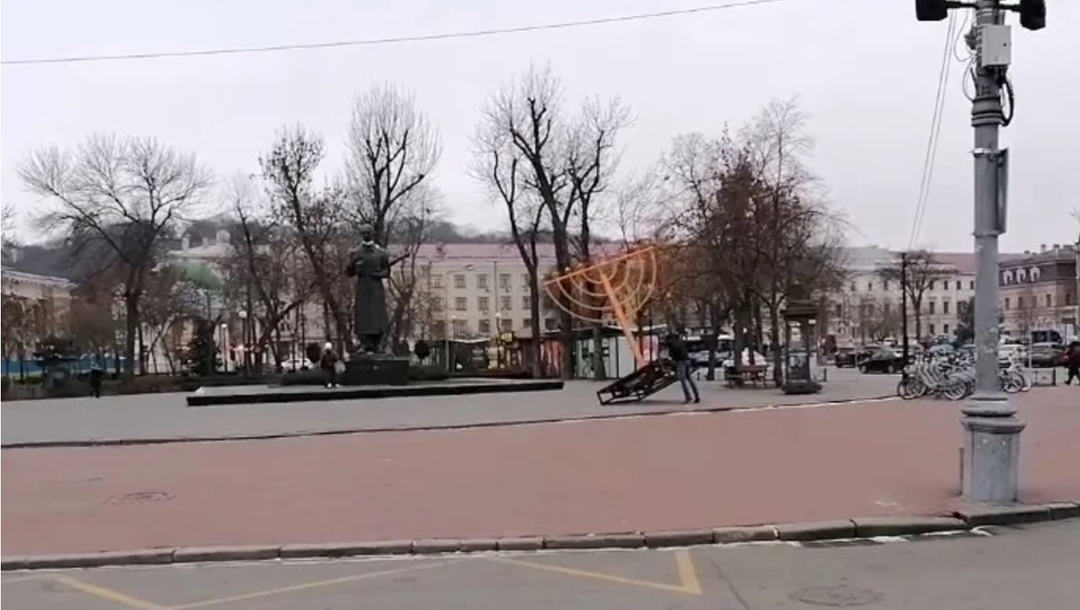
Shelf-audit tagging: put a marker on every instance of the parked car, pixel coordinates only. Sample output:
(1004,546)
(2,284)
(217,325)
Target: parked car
(1011,352)
(883,361)
(1044,355)
(845,356)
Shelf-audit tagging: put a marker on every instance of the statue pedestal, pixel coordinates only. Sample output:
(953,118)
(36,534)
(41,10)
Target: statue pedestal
(368,369)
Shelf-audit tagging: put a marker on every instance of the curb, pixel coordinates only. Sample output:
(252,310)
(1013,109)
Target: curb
(841,529)
(176,440)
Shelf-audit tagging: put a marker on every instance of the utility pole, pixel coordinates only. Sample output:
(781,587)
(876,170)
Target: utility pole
(990,464)
(903,310)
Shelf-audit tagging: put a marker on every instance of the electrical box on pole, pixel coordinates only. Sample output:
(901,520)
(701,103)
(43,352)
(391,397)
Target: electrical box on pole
(995,46)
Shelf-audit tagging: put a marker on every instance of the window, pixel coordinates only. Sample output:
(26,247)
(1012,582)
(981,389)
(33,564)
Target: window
(932,306)
(1007,304)
(853,288)
(504,282)
(1049,301)
(526,303)
(484,303)
(885,285)
(886,307)
(932,329)
(945,308)
(931,287)
(438,304)
(506,325)
(869,286)
(550,324)
(1019,302)
(438,328)
(485,326)
(504,304)
(971,285)
(958,284)
(460,304)
(525,324)
(436,281)
(1068,300)
(461,327)
(481,281)
(459,281)
(945,329)
(839,311)
(525,283)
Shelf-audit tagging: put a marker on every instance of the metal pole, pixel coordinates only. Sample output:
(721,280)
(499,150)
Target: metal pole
(903,309)
(991,432)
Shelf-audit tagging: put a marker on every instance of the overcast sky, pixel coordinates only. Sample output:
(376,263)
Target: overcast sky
(865,71)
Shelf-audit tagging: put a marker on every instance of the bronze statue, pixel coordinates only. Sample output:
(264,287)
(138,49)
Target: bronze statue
(370,265)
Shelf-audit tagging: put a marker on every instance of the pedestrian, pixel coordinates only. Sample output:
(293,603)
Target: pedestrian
(96,377)
(678,353)
(1072,360)
(329,363)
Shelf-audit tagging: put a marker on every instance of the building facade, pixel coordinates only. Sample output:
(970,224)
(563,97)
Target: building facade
(1038,291)
(867,309)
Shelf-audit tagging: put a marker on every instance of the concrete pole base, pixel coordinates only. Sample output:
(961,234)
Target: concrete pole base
(991,454)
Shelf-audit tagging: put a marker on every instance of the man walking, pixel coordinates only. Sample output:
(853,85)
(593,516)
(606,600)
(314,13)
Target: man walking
(1072,360)
(96,377)
(678,353)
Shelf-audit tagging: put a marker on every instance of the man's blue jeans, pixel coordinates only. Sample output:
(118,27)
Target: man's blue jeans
(682,372)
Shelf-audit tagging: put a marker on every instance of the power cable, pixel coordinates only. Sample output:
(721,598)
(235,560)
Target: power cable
(935,130)
(391,40)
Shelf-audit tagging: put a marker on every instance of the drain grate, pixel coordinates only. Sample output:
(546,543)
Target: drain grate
(141,497)
(837,597)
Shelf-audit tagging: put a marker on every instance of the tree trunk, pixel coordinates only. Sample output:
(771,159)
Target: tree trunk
(142,352)
(599,372)
(131,324)
(774,339)
(534,322)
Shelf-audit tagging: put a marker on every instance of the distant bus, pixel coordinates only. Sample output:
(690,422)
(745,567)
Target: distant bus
(1046,336)
(698,348)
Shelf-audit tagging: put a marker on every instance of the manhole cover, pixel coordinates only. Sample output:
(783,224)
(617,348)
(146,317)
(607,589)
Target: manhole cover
(140,497)
(844,597)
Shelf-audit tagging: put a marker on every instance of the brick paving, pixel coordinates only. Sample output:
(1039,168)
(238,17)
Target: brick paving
(648,473)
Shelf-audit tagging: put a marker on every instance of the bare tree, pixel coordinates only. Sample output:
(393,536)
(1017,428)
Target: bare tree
(170,299)
(501,168)
(393,149)
(922,272)
(124,192)
(566,161)
(315,218)
(10,240)
(264,260)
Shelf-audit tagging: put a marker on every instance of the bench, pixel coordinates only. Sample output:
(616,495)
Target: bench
(748,373)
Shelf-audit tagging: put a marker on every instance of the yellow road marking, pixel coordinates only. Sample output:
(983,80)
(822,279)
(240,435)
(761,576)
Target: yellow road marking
(689,584)
(303,587)
(687,574)
(108,594)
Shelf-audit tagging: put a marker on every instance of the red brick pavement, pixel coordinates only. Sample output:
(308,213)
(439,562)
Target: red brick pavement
(650,473)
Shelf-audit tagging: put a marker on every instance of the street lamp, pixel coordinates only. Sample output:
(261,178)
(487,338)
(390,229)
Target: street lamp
(447,318)
(243,338)
(223,340)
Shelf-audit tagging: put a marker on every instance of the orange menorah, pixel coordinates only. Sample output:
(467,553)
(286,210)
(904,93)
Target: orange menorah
(614,287)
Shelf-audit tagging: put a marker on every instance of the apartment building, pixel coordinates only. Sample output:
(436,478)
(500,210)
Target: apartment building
(868,307)
(1038,291)
(479,291)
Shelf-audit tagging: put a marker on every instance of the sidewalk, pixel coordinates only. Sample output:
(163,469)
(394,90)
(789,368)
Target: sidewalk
(650,473)
(158,417)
